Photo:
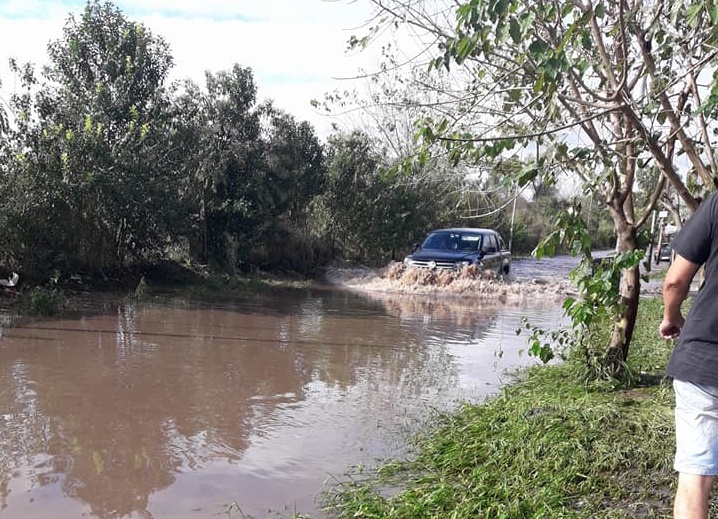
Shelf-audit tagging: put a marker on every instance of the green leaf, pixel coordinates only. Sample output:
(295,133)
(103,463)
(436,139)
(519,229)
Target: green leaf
(463,49)
(515,30)
(442,126)
(527,175)
(498,9)
(538,47)
(693,14)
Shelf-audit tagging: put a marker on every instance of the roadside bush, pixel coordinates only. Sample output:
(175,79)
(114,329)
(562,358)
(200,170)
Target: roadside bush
(43,302)
(297,251)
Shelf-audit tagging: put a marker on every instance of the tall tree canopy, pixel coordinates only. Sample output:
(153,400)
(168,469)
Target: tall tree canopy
(89,144)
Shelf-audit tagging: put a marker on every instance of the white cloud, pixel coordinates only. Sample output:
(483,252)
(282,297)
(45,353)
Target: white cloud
(296,48)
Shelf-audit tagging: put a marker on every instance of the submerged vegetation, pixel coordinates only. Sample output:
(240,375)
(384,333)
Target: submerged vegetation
(553,444)
(42,302)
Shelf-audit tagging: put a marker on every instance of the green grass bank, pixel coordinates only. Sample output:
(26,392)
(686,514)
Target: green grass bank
(551,445)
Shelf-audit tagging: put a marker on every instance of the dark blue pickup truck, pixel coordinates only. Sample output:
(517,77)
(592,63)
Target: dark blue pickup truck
(460,247)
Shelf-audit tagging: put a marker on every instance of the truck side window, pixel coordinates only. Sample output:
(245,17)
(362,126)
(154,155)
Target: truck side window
(489,244)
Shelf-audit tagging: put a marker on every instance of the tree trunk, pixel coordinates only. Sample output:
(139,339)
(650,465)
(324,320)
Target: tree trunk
(629,293)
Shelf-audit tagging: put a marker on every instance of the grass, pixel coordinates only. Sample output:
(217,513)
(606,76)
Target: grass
(550,445)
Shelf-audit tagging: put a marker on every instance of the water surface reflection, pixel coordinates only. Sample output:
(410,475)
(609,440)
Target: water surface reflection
(176,409)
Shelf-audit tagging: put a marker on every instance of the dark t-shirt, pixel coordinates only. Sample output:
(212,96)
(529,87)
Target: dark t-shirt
(695,357)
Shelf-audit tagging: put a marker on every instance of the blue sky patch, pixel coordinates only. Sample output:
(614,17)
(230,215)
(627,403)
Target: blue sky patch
(39,9)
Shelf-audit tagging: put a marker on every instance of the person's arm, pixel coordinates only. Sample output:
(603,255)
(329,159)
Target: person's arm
(675,289)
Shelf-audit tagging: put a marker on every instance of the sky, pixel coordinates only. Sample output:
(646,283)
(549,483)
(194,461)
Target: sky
(297,49)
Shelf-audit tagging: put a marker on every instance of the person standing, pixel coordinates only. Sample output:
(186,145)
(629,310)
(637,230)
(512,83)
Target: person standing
(693,364)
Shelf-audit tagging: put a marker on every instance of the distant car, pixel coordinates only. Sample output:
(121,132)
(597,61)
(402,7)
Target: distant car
(460,247)
(663,254)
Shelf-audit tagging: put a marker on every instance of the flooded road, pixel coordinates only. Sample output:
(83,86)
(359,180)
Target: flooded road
(173,409)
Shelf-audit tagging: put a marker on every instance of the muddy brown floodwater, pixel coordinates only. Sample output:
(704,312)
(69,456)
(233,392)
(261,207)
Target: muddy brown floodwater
(173,409)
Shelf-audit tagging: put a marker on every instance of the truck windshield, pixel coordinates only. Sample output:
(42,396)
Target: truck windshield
(452,241)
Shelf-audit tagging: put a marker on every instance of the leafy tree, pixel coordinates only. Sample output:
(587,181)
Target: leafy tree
(88,142)
(353,166)
(294,175)
(111,74)
(295,160)
(369,211)
(606,89)
(221,126)
(3,115)
(106,164)
(255,169)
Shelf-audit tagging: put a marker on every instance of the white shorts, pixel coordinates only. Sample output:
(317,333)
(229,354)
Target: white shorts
(696,428)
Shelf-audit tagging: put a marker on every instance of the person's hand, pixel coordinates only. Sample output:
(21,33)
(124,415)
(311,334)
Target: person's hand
(670,328)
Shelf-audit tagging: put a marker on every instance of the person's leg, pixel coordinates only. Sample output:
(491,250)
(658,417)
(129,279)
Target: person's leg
(696,461)
(692,496)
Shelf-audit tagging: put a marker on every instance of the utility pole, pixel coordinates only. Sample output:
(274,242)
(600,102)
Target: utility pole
(513,214)
(662,225)
(650,245)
